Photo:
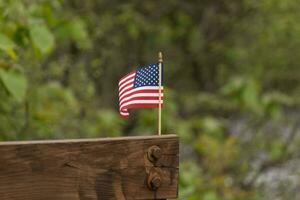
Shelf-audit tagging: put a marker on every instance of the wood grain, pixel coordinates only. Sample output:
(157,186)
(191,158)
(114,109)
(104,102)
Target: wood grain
(102,169)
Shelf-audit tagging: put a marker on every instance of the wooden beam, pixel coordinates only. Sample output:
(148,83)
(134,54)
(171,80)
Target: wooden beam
(87,169)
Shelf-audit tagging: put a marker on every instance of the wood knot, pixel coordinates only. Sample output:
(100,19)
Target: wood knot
(154,181)
(154,153)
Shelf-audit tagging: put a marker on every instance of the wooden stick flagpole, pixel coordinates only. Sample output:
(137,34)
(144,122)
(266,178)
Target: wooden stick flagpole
(160,61)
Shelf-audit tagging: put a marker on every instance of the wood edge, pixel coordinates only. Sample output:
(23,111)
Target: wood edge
(59,141)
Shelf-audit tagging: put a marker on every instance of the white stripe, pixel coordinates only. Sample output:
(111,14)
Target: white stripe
(124,113)
(125,88)
(125,83)
(125,79)
(139,88)
(141,95)
(141,102)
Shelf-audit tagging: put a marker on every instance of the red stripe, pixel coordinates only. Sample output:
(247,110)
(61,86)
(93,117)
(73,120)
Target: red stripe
(121,86)
(141,105)
(126,90)
(141,98)
(141,91)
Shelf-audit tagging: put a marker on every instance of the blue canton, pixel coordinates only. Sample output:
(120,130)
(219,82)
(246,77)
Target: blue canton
(147,76)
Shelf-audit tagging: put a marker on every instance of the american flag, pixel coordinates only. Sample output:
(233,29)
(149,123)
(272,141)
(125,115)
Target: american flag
(140,89)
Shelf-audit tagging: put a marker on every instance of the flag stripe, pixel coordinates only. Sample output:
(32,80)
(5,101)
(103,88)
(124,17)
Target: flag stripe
(124,112)
(139,98)
(125,84)
(148,91)
(125,105)
(140,95)
(139,105)
(154,89)
(126,78)
(125,89)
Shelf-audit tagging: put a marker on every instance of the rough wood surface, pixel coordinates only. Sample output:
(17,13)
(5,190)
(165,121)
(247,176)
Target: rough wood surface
(103,169)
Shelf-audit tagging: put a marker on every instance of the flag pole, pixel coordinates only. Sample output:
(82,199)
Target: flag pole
(160,61)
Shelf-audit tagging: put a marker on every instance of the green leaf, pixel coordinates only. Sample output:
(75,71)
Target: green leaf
(5,42)
(211,195)
(42,38)
(75,30)
(15,83)
(7,45)
(251,95)
(11,53)
(233,86)
(78,30)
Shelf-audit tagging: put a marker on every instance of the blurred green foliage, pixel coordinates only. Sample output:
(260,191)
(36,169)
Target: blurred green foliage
(225,61)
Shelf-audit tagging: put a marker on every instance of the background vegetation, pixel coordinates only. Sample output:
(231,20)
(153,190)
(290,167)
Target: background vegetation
(231,71)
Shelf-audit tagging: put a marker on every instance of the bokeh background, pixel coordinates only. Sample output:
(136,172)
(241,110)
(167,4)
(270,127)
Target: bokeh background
(232,79)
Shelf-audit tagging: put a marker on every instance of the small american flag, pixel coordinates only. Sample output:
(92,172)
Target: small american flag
(140,89)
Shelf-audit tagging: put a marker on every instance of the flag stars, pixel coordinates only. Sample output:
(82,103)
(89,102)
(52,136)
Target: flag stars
(147,76)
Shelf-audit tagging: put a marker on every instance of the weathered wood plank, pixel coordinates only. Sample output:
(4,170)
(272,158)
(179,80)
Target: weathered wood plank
(103,169)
